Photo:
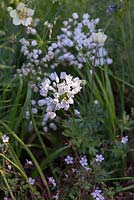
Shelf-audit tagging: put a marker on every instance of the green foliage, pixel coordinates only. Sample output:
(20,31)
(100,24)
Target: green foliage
(106,109)
(85,132)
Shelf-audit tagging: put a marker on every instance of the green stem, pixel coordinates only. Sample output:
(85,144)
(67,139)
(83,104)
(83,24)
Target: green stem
(118,79)
(38,134)
(130,23)
(116,179)
(40,139)
(126,188)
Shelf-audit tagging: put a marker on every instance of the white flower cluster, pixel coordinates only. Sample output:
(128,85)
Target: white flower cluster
(34,110)
(78,42)
(58,93)
(32,67)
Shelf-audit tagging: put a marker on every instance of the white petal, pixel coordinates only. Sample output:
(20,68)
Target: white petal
(16,21)
(9,8)
(26,21)
(29,12)
(20,6)
(13,13)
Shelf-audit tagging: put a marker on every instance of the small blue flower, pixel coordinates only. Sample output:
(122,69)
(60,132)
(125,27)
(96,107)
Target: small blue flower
(111,8)
(31,181)
(69,160)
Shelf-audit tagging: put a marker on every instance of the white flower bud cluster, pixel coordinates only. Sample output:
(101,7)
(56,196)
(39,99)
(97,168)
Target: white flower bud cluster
(32,53)
(34,110)
(79,41)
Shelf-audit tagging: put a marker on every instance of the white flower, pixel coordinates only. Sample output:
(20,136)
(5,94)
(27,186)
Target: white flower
(99,37)
(86,16)
(124,139)
(21,15)
(33,102)
(97,194)
(75,16)
(109,61)
(34,110)
(31,181)
(83,161)
(77,112)
(69,160)
(96,102)
(63,75)
(58,92)
(6,198)
(29,162)
(45,128)
(27,114)
(56,196)
(5,139)
(34,43)
(9,167)
(52,181)
(54,77)
(99,158)
(31,30)
(51,115)
(9,8)
(53,126)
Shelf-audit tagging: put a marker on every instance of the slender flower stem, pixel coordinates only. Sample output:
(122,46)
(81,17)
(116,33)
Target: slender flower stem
(40,139)
(38,134)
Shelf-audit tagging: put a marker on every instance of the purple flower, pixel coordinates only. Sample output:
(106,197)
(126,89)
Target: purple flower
(111,8)
(31,181)
(124,139)
(69,160)
(5,139)
(83,161)
(97,194)
(99,158)
(52,181)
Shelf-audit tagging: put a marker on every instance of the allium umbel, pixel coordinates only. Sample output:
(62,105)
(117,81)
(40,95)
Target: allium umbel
(58,92)
(80,40)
